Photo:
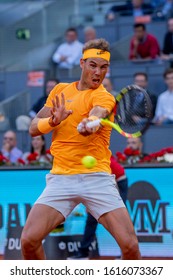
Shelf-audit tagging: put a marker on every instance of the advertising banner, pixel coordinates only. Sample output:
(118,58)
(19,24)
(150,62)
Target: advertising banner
(150,205)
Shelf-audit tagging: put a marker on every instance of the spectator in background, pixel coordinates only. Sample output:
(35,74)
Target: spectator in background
(133,8)
(164,107)
(133,152)
(167,52)
(157,3)
(38,153)
(167,9)
(163,9)
(89,33)
(9,147)
(135,144)
(141,79)
(50,84)
(143,46)
(23,122)
(108,86)
(68,54)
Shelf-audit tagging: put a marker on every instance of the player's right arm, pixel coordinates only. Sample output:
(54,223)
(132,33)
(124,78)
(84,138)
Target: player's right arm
(49,117)
(96,112)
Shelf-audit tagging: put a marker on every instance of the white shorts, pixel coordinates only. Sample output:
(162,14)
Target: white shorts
(97,191)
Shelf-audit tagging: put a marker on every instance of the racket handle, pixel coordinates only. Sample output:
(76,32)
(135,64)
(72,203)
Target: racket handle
(79,127)
(93,124)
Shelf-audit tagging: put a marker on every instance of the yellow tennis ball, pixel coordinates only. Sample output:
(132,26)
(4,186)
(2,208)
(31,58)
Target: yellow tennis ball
(89,161)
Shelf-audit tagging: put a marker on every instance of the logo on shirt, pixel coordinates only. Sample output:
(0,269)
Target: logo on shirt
(69,100)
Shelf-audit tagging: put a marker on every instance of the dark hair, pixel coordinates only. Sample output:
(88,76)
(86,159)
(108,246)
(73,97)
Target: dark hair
(43,150)
(167,72)
(101,44)
(136,25)
(71,29)
(142,74)
(48,80)
(53,80)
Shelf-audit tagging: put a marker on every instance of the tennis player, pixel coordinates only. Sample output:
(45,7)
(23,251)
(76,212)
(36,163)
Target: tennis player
(69,182)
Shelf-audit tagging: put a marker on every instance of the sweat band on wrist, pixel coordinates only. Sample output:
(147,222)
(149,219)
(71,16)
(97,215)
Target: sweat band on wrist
(92,118)
(44,126)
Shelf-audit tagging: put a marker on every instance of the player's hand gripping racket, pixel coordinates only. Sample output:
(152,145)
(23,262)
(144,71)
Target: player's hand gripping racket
(133,112)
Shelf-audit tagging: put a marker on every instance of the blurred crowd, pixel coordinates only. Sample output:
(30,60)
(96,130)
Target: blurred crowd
(143,47)
(159,9)
(11,155)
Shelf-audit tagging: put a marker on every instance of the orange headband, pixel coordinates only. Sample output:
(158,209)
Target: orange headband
(96,53)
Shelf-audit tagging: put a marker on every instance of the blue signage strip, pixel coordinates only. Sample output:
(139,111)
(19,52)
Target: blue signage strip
(150,205)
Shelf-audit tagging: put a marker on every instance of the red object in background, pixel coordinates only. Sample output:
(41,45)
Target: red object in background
(48,152)
(117,168)
(32,157)
(131,152)
(36,79)
(121,157)
(21,161)
(3,159)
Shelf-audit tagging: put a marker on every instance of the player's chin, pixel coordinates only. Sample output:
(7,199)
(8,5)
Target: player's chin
(96,84)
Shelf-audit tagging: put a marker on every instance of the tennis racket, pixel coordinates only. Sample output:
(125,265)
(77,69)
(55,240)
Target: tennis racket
(132,113)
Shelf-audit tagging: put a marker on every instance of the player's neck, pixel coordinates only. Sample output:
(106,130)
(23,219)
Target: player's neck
(81,86)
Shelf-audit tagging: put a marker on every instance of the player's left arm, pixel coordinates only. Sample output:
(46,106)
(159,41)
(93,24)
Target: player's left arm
(48,118)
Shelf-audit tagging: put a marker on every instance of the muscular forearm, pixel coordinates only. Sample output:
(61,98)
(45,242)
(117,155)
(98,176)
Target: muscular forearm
(33,129)
(99,112)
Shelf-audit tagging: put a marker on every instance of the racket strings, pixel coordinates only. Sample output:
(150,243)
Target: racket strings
(134,111)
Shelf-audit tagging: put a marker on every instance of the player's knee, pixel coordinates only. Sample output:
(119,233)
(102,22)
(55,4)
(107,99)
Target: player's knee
(131,248)
(27,242)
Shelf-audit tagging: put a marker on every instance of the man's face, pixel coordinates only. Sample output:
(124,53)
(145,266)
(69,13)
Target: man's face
(71,36)
(170,25)
(139,33)
(49,86)
(140,81)
(9,139)
(93,72)
(134,144)
(169,80)
(37,142)
(90,35)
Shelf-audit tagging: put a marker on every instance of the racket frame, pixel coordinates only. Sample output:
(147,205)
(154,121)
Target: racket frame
(107,122)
